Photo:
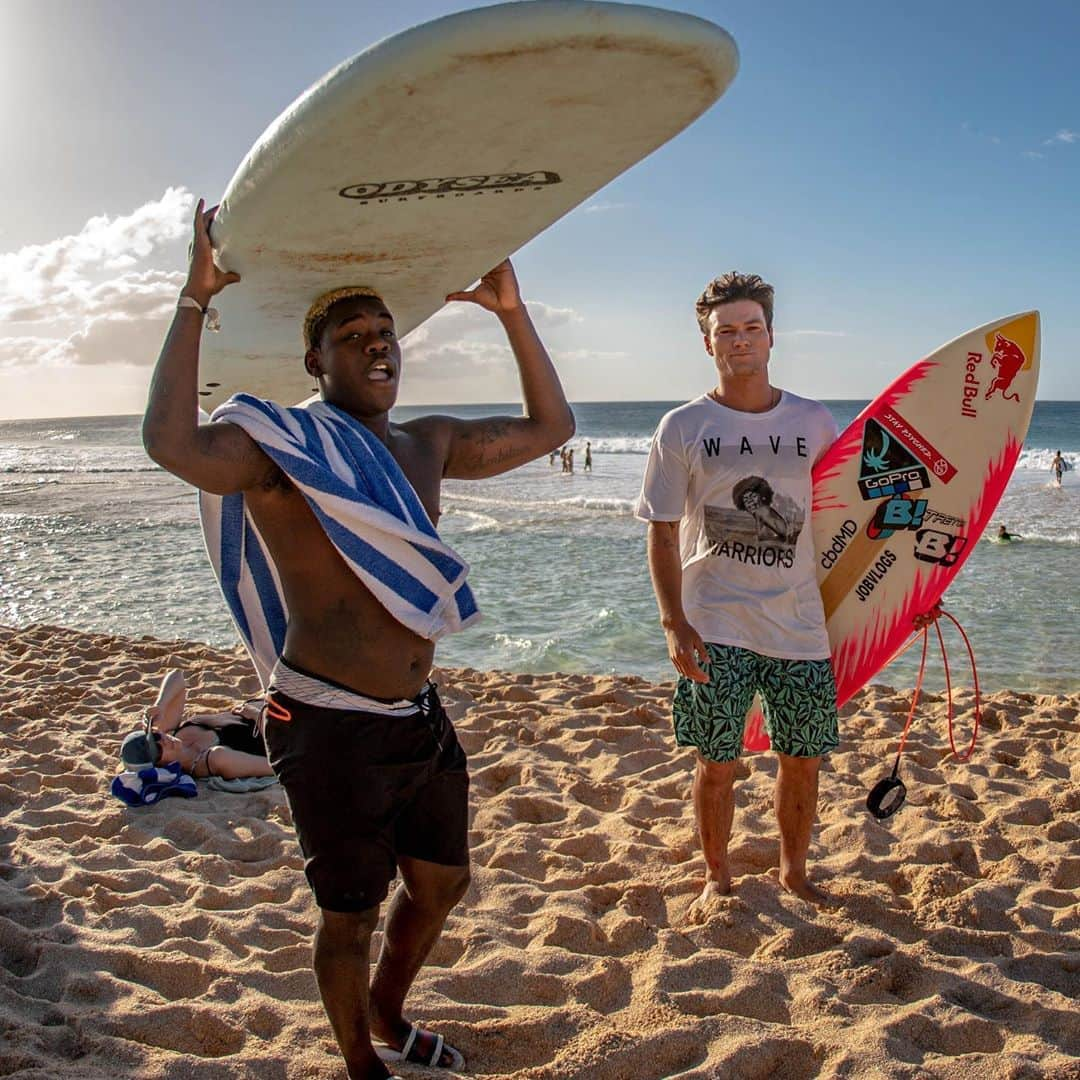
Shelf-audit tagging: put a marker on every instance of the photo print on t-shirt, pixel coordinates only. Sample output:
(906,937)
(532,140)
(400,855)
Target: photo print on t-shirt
(761,528)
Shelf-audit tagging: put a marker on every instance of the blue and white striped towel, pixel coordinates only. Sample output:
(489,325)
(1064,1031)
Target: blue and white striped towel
(142,787)
(370,512)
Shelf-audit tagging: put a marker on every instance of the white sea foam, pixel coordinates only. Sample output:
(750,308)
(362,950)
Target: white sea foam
(541,507)
(515,644)
(455,499)
(471,522)
(1031,536)
(1041,460)
(585,502)
(82,469)
(46,459)
(522,652)
(615,444)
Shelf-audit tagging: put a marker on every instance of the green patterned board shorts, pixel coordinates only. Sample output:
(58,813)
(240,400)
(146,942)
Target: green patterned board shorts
(799,699)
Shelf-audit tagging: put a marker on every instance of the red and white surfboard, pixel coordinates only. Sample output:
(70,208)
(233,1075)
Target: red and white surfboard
(901,498)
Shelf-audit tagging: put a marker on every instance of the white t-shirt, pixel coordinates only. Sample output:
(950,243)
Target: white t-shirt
(739,483)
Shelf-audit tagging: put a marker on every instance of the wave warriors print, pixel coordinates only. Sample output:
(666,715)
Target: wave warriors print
(761,527)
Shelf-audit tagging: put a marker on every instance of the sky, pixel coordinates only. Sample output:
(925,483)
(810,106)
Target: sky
(900,173)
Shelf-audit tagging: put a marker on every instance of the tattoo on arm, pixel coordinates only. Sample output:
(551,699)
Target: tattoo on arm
(490,431)
(487,444)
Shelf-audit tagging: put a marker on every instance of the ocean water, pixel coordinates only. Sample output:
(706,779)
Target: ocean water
(93,535)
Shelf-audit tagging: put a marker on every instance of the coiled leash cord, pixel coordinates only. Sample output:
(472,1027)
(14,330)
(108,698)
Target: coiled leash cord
(887,796)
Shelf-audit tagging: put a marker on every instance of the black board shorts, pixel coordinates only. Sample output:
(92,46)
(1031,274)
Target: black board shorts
(365,788)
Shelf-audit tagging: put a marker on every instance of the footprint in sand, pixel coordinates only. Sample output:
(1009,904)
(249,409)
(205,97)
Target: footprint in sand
(183,1029)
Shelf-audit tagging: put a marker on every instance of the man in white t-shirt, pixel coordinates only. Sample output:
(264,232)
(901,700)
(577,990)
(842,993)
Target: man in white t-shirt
(727,495)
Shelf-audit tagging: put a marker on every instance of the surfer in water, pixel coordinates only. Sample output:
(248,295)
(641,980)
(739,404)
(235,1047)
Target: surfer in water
(374,774)
(1058,467)
(742,618)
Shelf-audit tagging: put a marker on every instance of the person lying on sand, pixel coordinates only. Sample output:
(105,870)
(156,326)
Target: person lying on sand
(343,502)
(742,617)
(228,744)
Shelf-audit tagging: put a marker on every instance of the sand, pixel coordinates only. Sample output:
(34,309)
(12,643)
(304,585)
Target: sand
(174,940)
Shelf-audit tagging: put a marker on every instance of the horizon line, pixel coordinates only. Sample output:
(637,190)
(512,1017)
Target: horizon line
(492,404)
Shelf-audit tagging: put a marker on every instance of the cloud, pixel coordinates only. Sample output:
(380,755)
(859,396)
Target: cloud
(604,207)
(458,359)
(545,316)
(26,351)
(102,340)
(91,293)
(462,344)
(57,280)
(1063,136)
(450,370)
(456,322)
(1033,154)
(115,339)
(148,294)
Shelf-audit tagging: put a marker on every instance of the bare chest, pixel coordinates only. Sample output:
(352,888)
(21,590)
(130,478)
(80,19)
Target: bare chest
(423,468)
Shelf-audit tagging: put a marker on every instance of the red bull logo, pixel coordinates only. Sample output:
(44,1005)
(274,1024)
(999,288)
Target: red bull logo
(971,384)
(1007,361)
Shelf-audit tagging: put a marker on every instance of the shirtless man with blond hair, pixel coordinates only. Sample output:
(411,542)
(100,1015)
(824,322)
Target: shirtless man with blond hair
(377,783)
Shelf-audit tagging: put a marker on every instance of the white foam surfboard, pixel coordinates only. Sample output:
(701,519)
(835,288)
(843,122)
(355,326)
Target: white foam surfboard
(422,162)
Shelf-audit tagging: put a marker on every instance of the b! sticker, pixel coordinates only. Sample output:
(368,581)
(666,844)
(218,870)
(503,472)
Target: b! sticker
(937,546)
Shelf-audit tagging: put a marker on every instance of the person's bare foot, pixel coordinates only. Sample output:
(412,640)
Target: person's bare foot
(800,886)
(708,902)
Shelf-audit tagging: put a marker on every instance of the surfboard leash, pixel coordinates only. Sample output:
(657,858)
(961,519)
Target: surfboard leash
(966,755)
(887,796)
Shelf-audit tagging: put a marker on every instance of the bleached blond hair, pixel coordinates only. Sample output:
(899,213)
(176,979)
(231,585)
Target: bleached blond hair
(316,314)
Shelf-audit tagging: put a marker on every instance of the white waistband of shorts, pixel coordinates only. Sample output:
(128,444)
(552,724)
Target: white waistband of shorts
(312,691)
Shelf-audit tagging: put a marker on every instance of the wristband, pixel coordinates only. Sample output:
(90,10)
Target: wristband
(211,316)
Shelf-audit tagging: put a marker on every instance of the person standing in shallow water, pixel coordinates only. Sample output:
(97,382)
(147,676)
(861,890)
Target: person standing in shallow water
(370,763)
(1057,467)
(727,496)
